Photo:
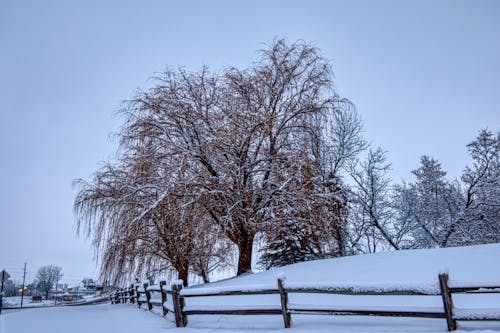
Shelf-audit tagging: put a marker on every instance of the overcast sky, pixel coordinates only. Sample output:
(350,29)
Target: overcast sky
(424,75)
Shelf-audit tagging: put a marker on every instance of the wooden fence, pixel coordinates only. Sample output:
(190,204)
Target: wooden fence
(144,295)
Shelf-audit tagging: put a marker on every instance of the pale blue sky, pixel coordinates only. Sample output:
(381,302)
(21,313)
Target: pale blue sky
(424,76)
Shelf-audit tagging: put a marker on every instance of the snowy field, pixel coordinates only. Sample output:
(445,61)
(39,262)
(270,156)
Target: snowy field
(15,301)
(126,318)
(465,265)
(475,265)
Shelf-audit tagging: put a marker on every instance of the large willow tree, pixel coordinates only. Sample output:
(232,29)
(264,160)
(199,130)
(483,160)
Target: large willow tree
(208,158)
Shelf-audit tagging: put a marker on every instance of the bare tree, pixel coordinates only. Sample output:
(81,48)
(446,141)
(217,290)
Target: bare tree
(340,145)
(343,136)
(9,288)
(479,221)
(47,277)
(372,220)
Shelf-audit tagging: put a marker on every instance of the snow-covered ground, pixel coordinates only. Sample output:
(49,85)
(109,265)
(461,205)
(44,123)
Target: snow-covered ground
(412,269)
(465,265)
(85,318)
(475,265)
(125,318)
(15,301)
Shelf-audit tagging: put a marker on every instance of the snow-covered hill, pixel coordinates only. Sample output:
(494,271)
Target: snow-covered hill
(474,265)
(411,269)
(465,265)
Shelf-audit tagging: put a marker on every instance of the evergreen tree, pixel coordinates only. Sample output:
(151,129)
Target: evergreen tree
(292,243)
(309,218)
(431,204)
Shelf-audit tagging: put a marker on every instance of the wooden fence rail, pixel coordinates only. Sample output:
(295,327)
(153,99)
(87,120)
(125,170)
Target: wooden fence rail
(143,295)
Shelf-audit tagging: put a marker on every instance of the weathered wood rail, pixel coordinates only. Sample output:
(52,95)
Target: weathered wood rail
(144,295)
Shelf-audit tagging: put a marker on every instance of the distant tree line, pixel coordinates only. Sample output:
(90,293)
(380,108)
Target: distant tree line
(209,163)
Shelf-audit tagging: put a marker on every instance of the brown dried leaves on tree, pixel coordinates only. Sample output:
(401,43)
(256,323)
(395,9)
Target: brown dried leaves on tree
(207,158)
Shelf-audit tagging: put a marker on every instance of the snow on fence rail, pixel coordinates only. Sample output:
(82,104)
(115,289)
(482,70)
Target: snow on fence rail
(144,295)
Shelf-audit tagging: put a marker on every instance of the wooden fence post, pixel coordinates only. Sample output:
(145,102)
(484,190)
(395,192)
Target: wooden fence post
(180,316)
(284,303)
(131,294)
(163,298)
(123,299)
(182,304)
(447,302)
(148,296)
(137,295)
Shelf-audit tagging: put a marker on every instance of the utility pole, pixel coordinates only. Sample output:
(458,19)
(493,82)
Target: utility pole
(1,291)
(22,290)
(55,293)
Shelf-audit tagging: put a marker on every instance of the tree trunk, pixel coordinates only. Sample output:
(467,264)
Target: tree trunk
(183,275)
(182,268)
(245,245)
(204,276)
(339,237)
